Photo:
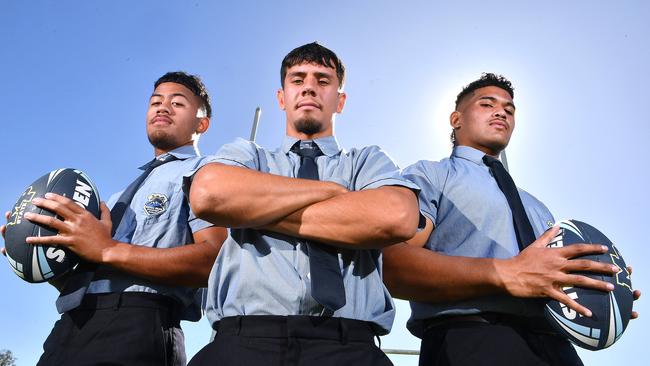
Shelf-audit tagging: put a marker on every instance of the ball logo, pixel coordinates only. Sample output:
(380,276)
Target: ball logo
(55,254)
(19,209)
(623,275)
(82,193)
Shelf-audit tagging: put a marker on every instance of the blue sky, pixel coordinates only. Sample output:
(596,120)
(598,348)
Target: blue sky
(78,74)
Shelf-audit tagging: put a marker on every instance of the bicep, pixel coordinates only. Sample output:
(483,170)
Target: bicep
(213,237)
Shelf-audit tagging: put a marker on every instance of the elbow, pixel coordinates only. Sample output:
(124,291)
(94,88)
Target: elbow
(402,223)
(205,195)
(402,228)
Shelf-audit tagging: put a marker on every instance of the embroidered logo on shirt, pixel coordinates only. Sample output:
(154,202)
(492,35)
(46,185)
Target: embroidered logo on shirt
(156,204)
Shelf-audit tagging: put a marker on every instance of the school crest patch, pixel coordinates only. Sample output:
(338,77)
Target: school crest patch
(156,204)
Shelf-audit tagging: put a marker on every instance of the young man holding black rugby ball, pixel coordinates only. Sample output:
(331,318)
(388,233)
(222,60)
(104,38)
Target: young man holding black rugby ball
(475,274)
(144,275)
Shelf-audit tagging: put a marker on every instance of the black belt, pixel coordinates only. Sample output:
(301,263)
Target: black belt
(298,326)
(537,325)
(170,308)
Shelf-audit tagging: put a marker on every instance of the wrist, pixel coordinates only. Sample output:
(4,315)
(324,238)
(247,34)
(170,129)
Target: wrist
(113,253)
(503,278)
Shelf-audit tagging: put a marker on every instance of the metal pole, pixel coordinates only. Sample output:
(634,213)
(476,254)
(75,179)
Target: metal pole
(407,352)
(256,121)
(504,160)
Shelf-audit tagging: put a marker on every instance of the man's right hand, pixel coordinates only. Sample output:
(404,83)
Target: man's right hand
(539,271)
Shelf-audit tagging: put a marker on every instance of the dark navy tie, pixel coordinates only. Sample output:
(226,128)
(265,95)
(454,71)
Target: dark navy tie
(326,279)
(523,228)
(76,286)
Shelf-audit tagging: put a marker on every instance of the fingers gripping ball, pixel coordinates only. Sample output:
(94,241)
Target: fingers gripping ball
(39,263)
(610,311)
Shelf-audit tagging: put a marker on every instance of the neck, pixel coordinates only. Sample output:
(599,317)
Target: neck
(304,136)
(494,152)
(293,132)
(159,151)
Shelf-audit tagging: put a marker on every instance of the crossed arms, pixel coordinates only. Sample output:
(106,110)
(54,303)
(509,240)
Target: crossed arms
(313,210)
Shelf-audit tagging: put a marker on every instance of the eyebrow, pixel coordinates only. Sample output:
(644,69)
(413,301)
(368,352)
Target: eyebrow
(323,75)
(171,95)
(318,74)
(297,73)
(493,99)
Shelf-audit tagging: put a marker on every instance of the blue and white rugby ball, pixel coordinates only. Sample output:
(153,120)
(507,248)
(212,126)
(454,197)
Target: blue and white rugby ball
(40,263)
(610,311)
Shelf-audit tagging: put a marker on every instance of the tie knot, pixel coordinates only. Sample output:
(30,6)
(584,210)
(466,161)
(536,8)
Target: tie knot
(491,161)
(162,160)
(307,149)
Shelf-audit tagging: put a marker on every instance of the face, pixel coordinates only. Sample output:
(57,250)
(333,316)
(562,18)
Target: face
(485,120)
(310,98)
(173,117)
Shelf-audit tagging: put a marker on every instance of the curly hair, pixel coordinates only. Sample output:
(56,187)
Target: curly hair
(486,79)
(192,82)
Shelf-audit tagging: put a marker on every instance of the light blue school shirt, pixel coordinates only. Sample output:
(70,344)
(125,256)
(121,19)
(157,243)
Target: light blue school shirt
(265,273)
(471,218)
(159,216)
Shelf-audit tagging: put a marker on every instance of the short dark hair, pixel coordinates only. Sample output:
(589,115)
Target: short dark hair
(192,82)
(313,53)
(486,79)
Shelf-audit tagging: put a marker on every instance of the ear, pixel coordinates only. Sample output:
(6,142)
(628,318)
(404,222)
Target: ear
(204,123)
(454,120)
(280,97)
(341,103)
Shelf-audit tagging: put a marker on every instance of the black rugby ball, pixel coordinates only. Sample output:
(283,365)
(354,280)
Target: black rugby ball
(611,311)
(40,263)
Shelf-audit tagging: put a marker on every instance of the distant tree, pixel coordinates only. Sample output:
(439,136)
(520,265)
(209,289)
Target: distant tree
(7,358)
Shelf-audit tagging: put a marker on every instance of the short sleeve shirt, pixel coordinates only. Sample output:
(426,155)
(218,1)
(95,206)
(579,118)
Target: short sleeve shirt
(265,273)
(159,216)
(471,218)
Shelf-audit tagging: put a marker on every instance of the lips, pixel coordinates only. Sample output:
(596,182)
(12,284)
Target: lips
(161,120)
(308,104)
(499,123)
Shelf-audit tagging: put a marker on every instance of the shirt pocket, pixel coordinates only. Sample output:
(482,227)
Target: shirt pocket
(160,203)
(160,207)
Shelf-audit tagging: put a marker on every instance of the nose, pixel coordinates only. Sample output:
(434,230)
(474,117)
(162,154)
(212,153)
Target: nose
(163,108)
(500,113)
(308,91)
(308,87)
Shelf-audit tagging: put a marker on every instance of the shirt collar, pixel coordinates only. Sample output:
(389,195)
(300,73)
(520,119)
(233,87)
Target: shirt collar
(468,153)
(181,152)
(328,145)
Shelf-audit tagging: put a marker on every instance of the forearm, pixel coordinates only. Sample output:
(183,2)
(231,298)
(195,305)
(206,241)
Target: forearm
(238,197)
(186,265)
(365,219)
(416,273)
